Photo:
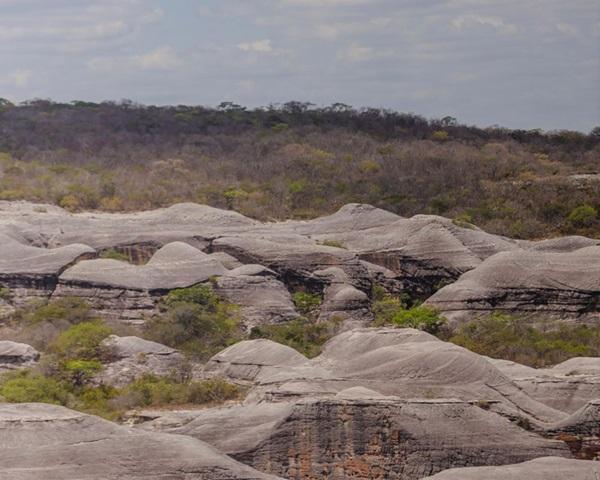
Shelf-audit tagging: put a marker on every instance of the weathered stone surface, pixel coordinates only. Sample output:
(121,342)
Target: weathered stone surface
(46,225)
(415,255)
(30,272)
(294,257)
(248,359)
(134,357)
(560,285)
(15,355)
(176,265)
(548,468)
(342,300)
(364,438)
(54,443)
(567,386)
(262,298)
(424,251)
(125,292)
(405,363)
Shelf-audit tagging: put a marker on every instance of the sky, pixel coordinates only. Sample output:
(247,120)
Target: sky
(514,63)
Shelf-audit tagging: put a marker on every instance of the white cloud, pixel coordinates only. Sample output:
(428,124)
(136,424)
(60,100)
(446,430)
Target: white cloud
(463,22)
(259,46)
(325,3)
(567,29)
(163,58)
(356,53)
(20,78)
(360,53)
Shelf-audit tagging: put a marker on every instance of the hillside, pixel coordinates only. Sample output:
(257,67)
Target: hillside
(297,161)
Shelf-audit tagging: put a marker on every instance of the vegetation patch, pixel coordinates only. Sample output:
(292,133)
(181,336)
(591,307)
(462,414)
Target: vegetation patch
(509,338)
(195,321)
(304,335)
(306,303)
(390,310)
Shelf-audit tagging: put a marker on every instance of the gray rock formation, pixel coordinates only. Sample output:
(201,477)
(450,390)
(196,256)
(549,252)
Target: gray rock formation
(294,257)
(54,443)
(122,291)
(548,468)
(567,386)
(362,438)
(342,300)
(261,297)
(248,360)
(559,285)
(134,357)
(377,403)
(415,255)
(17,355)
(29,272)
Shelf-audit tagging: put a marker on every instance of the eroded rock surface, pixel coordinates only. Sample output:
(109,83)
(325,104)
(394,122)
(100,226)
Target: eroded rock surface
(15,355)
(548,468)
(560,285)
(54,443)
(134,357)
(415,256)
(377,403)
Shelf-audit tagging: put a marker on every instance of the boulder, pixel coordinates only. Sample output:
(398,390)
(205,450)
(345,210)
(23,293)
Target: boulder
(363,438)
(248,359)
(60,444)
(30,272)
(567,386)
(125,292)
(342,300)
(15,355)
(548,468)
(564,286)
(134,357)
(262,298)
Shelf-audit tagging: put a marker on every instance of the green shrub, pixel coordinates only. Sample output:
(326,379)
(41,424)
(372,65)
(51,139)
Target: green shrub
(390,310)
(506,337)
(4,293)
(82,341)
(198,294)
(72,310)
(583,216)
(156,391)
(25,387)
(109,402)
(332,243)
(422,317)
(196,321)
(113,254)
(81,371)
(306,302)
(303,335)
(464,220)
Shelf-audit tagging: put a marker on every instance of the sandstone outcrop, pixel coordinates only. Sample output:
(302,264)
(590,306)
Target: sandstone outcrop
(29,272)
(134,357)
(563,286)
(547,468)
(262,298)
(415,256)
(54,443)
(15,355)
(352,436)
(377,403)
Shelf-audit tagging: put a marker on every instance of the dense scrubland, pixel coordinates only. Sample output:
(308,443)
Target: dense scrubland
(298,161)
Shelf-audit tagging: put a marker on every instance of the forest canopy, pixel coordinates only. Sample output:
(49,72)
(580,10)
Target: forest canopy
(297,160)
